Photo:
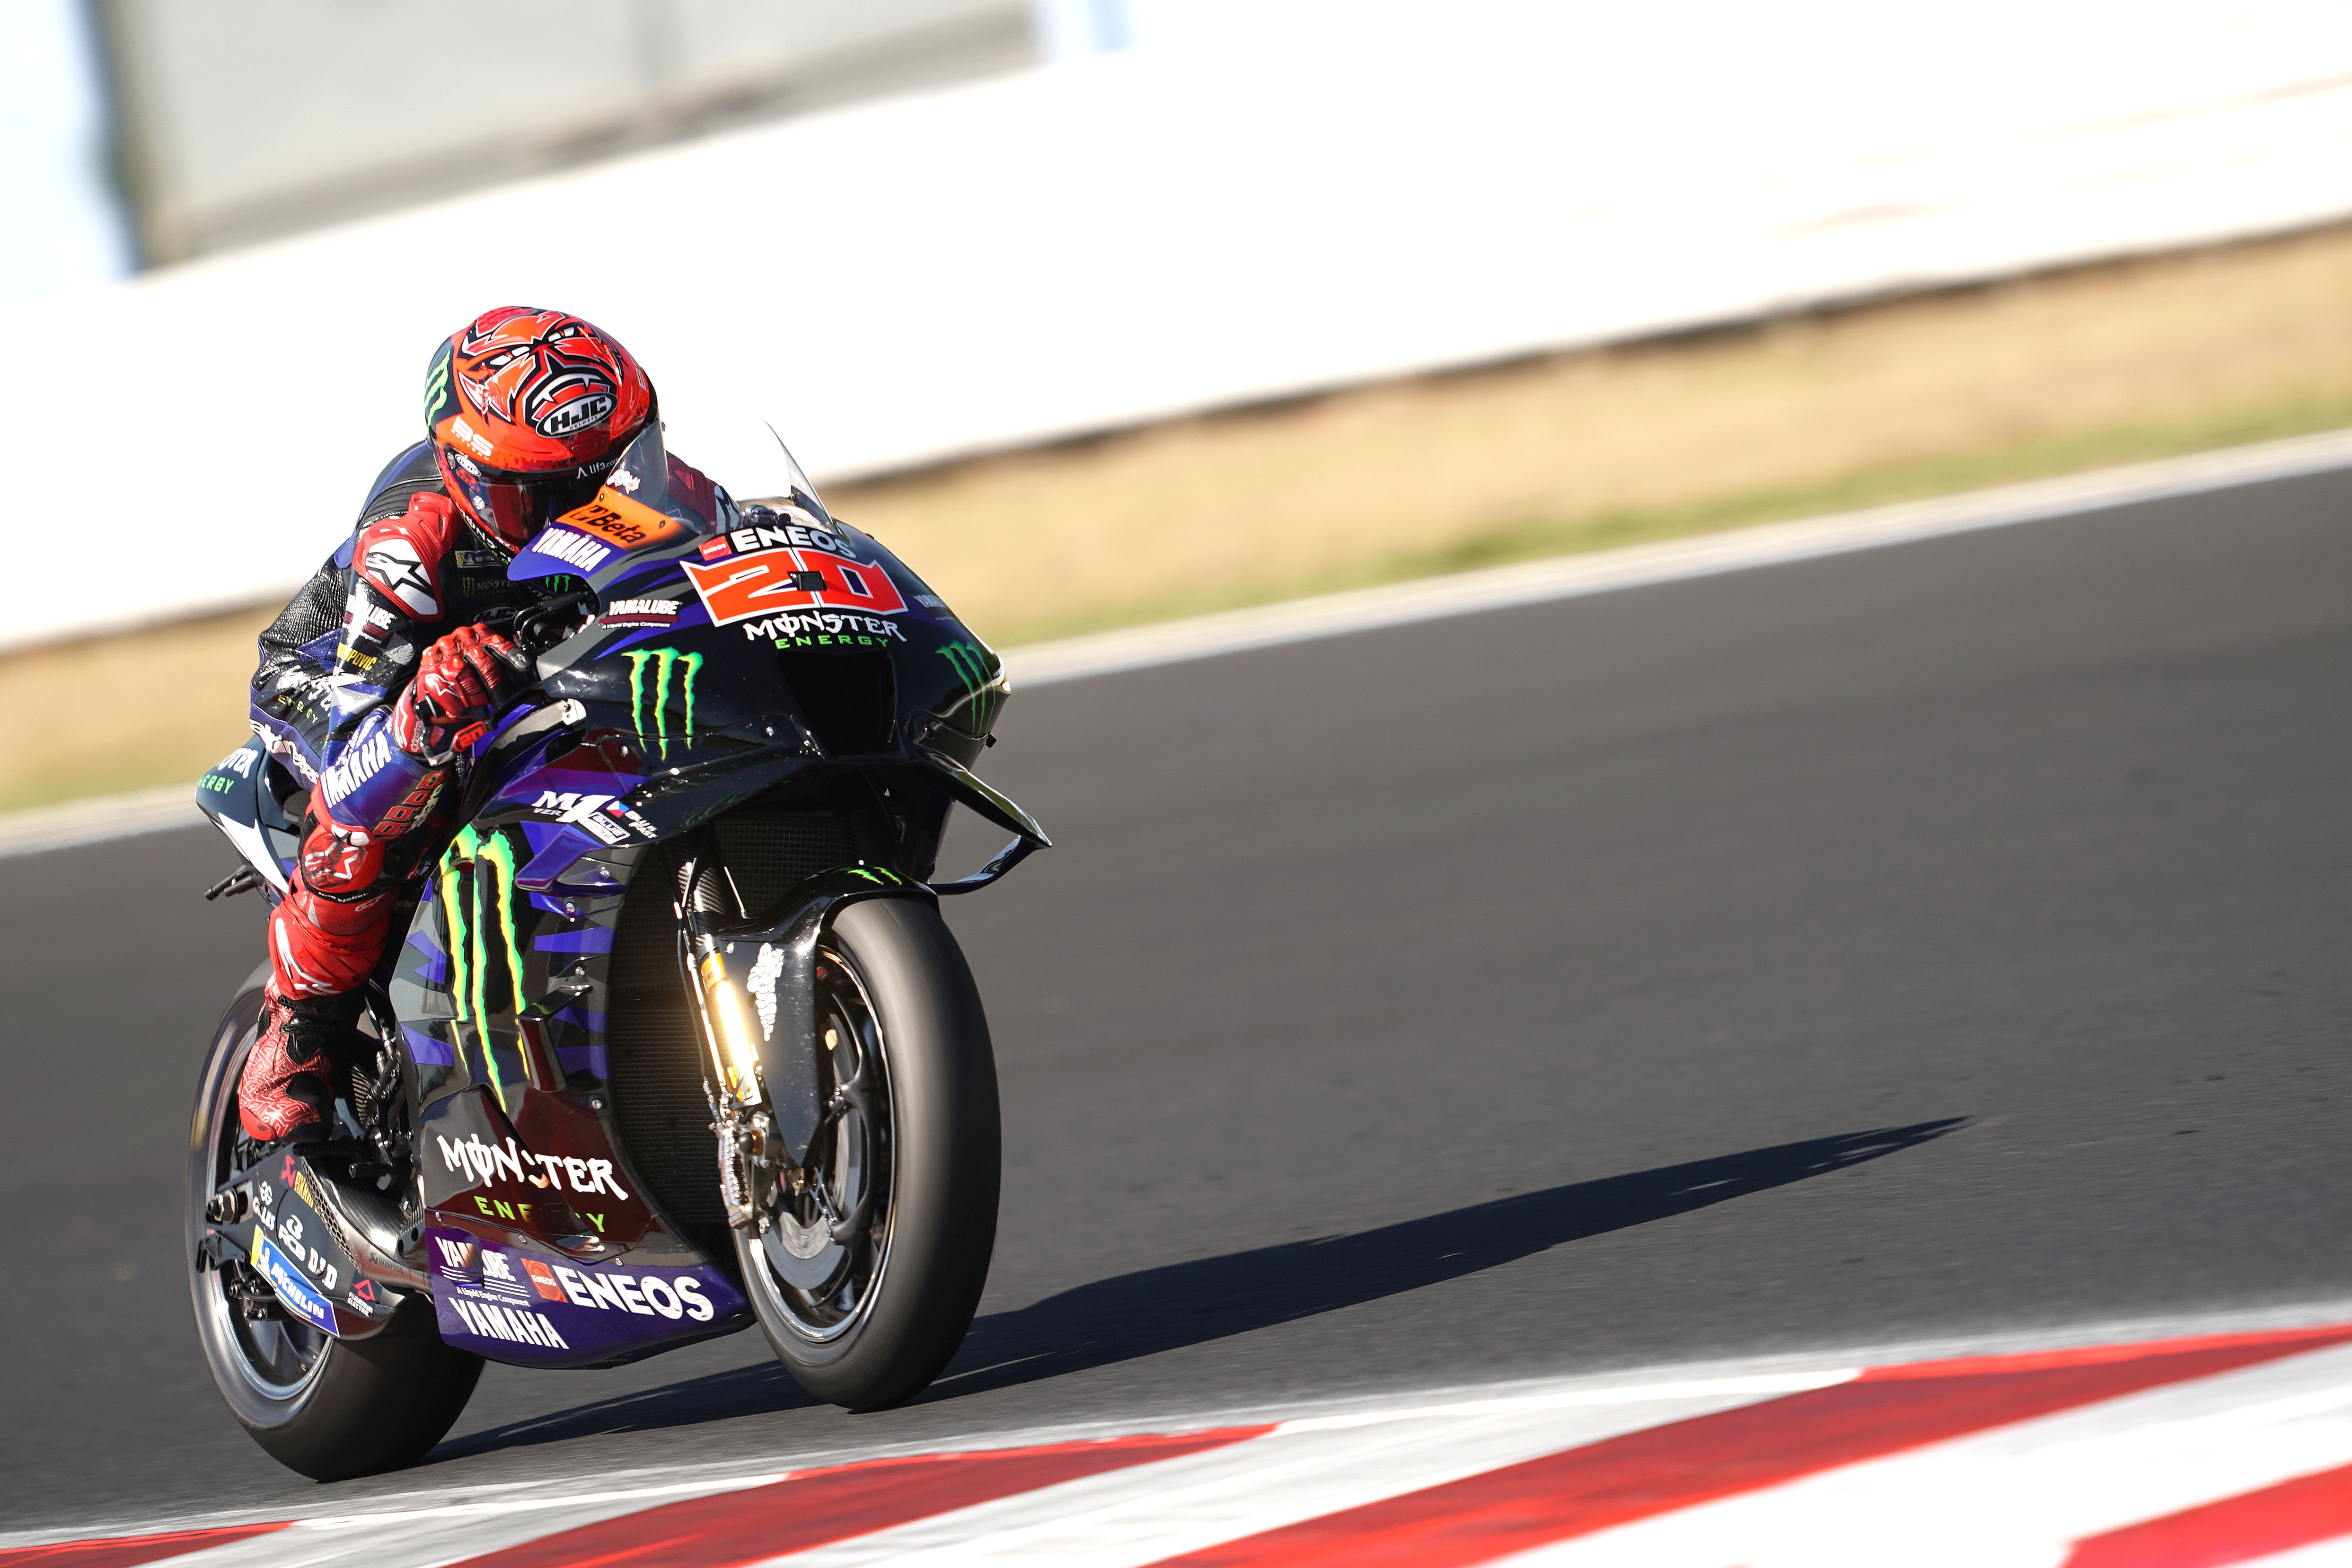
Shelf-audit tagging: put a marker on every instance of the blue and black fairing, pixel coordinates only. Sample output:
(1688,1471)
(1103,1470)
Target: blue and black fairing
(847,730)
(259,808)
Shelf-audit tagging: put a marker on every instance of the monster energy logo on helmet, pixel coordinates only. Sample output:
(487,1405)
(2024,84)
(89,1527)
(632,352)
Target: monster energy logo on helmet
(437,400)
(476,905)
(649,676)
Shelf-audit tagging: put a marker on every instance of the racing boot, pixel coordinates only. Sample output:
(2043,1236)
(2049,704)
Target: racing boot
(287,1088)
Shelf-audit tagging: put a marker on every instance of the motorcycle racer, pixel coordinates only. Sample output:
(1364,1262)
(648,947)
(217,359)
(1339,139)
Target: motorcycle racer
(380,670)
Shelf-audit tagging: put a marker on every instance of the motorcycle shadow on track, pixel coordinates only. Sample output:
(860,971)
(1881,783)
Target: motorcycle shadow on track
(1156,1310)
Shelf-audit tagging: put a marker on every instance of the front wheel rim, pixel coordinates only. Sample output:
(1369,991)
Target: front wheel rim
(856,1155)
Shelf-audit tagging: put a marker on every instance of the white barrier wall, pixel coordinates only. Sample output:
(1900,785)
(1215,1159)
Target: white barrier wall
(1261,199)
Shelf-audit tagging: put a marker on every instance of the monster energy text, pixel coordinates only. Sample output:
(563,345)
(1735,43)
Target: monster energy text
(649,675)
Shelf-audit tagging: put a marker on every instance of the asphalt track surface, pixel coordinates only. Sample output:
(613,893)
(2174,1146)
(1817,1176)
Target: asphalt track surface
(1925,941)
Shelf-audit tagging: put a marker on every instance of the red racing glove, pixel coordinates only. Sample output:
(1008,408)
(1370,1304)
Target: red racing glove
(458,687)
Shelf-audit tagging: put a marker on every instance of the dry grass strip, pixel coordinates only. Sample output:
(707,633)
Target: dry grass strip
(1579,451)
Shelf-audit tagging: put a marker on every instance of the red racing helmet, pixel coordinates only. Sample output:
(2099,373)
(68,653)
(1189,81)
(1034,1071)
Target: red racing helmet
(526,410)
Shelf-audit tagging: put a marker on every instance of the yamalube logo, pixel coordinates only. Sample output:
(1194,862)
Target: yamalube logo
(639,613)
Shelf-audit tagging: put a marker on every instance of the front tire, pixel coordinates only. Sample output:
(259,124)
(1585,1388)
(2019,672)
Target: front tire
(327,1408)
(923,1165)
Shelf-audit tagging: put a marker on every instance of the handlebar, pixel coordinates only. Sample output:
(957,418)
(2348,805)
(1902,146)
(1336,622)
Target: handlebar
(538,627)
(533,630)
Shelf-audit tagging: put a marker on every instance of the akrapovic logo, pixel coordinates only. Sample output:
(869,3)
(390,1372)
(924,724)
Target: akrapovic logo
(659,679)
(478,896)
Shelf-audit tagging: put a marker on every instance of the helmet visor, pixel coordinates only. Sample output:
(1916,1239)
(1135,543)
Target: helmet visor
(516,506)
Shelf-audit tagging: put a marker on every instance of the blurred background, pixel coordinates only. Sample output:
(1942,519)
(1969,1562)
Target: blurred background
(1875,948)
(1112,310)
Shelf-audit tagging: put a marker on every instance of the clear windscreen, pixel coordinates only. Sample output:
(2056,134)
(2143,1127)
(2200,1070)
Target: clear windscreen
(749,459)
(653,504)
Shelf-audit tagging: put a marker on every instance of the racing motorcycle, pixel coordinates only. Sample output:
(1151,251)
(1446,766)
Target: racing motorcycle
(676,1040)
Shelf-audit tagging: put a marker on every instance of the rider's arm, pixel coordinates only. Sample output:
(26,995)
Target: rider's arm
(371,709)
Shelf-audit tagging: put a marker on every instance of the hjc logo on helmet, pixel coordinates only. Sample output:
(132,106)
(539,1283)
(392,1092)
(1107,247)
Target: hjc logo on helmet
(581,412)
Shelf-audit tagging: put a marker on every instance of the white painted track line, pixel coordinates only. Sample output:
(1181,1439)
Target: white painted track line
(2016,1494)
(1465,593)
(1300,1470)
(1701,555)
(107,816)
(1732,1378)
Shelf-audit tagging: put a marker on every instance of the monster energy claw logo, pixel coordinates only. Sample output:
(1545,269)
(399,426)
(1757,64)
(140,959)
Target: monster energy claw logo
(436,387)
(970,662)
(653,692)
(477,901)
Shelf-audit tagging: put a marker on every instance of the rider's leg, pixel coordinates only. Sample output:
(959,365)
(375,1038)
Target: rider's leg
(326,937)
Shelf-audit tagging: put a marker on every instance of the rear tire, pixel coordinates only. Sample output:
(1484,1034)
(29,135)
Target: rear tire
(938,1152)
(328,1408)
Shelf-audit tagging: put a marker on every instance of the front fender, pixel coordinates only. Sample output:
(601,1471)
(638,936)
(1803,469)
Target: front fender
(773,957)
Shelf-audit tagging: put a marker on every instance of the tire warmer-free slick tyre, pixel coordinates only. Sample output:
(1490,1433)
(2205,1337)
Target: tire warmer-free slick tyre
(936,1224)
(328,1408)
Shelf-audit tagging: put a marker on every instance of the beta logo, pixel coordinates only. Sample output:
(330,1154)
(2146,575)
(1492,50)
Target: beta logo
(775,580)
(614,518)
